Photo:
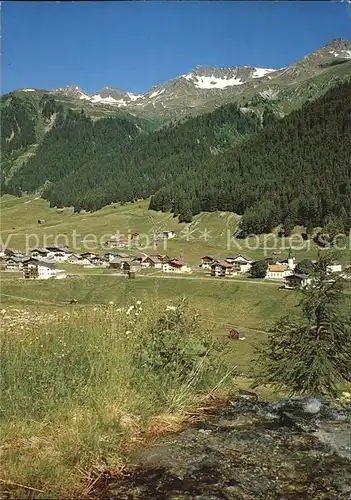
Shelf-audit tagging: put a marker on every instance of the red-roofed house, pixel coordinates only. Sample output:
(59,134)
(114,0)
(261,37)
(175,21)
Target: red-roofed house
(278,272)
(175,266)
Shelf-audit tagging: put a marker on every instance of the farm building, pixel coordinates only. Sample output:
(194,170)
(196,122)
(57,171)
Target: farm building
(175,266)
(296,281)
(221,268)
(38,269)
(207,261)
(277,271)
(241,263)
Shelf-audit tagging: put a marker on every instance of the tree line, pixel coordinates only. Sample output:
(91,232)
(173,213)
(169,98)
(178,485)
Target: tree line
(289,171)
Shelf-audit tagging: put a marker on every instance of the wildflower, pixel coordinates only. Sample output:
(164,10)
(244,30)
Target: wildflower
(111,302)
(128,332)
(138,302)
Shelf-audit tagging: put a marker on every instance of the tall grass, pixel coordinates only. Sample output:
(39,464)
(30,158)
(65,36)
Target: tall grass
(75,393)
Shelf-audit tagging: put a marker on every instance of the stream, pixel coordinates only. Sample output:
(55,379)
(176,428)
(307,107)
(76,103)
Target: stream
(298,448)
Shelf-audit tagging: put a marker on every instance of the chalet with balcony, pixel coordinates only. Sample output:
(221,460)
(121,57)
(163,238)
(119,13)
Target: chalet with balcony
(221,268)
(38,269)
(297,281)
(175,266)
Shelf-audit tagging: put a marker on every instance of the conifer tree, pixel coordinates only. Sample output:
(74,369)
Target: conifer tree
(308,352)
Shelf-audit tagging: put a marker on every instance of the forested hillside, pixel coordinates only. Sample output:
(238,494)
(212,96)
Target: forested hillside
(88,164)
(294,170)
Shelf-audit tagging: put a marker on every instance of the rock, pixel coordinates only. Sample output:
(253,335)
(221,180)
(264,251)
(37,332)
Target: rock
(252,450)
(247,395)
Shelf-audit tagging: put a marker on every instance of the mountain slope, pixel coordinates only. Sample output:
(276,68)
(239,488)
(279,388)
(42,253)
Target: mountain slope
(297,169)
(82,164)
(205,88)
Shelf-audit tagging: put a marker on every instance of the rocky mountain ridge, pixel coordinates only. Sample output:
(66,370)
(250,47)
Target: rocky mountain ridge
(205,85)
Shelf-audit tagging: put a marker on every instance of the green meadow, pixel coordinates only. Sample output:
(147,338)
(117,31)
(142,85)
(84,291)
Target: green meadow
(209,233)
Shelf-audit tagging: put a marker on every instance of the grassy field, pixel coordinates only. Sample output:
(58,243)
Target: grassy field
(209,233)
(76,395)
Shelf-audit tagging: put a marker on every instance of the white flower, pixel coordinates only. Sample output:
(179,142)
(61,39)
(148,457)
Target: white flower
(346,394)
(111,302)
(131,308)
(95,309)
(128,332)
(171,308)
(138,302)
(128,313)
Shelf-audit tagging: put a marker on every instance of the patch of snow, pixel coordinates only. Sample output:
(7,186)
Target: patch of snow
(164,107)
(108,100)
(86,97)
(134,97)
(346,54)
(260,72)
(156,93)
(212,82)
(28,90)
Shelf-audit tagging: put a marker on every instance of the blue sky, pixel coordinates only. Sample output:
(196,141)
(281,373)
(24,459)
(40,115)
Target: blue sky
(135,45)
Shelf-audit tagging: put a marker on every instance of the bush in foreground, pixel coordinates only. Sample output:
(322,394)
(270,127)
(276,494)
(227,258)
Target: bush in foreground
(72,394)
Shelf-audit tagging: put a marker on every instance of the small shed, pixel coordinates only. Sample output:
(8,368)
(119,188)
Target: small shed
(237,333)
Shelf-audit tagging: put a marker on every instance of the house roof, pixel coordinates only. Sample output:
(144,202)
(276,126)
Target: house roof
(177,262)
(276,268)
(40,250)
(240,256)
(40,262)
(17,259)
(222,263)
(153,258)
(297,276)
(212,257)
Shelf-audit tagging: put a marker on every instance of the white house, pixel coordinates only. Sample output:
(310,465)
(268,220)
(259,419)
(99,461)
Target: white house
(83,261)
(14,263)
(297,281)
(58,254)
(73,259)
(151,261)
(168,234)
(207,261)
(175,266)
(221,268)
(38,269)
(241,264)
(334,268)
(109,256)
(40,252)
(278,271)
